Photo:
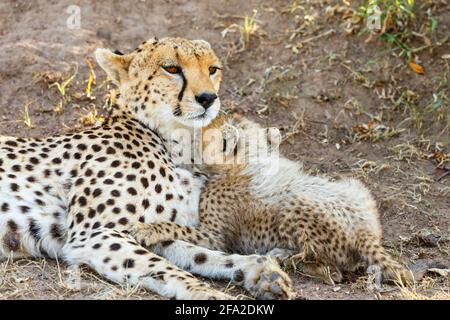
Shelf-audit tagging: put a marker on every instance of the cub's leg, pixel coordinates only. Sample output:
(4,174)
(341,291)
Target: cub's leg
(261,276)
(324,237)
(119,258)
(372,251)
(148,234)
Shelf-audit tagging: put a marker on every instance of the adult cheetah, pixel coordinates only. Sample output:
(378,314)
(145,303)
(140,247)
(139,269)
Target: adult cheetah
(258,201)
(75,196)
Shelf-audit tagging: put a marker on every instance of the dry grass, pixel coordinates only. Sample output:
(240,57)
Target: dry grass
(427,289)
(35,279)
(374,118)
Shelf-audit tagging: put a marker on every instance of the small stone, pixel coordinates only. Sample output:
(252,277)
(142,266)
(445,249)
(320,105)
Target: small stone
(427,238)
(441,272)
(336,289)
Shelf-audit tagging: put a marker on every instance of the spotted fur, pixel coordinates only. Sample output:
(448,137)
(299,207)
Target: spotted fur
(75,196)
(271,206)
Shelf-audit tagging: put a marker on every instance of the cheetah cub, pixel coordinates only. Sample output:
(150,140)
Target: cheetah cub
(269,205)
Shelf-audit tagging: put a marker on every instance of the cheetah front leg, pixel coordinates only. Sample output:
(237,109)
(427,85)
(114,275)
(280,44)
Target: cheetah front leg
(261,276)
(119,258)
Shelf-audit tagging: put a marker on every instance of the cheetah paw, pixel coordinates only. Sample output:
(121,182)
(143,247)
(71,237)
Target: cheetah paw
(265,280)
(145,234)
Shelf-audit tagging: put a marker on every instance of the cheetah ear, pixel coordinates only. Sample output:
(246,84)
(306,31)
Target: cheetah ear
(202,43)
(115,65)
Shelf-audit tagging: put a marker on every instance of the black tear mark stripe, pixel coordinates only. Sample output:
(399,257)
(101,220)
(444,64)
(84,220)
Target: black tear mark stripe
(183,78)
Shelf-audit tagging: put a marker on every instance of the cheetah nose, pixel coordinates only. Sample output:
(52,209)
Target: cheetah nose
(206,99)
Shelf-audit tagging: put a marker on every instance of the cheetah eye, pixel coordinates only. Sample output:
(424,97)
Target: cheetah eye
(172,69)
(213,70)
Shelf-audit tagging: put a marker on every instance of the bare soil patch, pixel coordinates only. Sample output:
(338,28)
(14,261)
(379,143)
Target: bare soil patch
(349,108)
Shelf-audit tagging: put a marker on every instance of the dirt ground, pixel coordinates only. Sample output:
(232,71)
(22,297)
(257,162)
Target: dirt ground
(349,107)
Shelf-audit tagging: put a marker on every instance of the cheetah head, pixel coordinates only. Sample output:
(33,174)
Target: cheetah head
(167,81)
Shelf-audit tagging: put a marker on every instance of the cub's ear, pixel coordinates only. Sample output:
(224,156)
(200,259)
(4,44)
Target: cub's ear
(115,64)
(203,43)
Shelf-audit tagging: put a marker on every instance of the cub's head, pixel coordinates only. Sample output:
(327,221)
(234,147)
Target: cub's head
(167,80)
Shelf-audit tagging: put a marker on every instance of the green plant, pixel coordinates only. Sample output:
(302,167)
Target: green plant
(396,21)
(395,15)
